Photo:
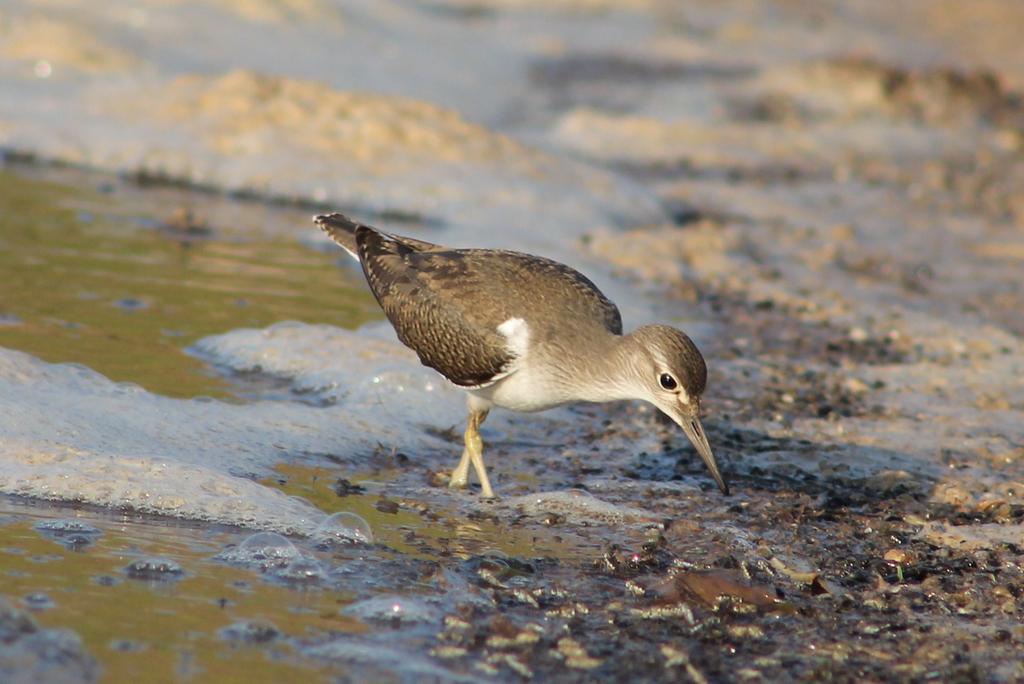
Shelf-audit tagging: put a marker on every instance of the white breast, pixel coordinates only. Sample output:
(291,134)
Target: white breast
(524,386)
(524,390)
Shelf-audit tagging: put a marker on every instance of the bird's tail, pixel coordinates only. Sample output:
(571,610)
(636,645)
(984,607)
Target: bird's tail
(341,229)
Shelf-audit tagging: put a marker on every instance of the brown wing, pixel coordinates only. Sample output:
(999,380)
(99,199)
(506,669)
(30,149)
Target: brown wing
(446,304)
(422,295)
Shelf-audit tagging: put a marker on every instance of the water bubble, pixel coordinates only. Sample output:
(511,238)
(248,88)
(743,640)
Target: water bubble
(268,546)
(343,528)
(154,569)
(264,549)
(302,569)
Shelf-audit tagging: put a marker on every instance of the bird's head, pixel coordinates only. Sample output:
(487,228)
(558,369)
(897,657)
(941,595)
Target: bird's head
(672,376)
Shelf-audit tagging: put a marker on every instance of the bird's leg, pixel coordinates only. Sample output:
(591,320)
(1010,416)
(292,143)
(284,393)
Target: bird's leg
(460,476)
(473,453)
(476,451)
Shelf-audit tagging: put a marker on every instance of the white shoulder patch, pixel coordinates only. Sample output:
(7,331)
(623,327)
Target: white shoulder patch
(517,336)
(517,339)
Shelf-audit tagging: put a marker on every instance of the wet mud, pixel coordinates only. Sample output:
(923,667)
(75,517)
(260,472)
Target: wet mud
(219,465)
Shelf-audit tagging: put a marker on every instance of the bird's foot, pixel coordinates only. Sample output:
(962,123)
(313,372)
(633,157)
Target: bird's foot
(454,483)
(477,459)
(459,479)
(460,476)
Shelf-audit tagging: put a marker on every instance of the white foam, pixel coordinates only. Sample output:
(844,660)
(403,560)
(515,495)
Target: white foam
(72,434)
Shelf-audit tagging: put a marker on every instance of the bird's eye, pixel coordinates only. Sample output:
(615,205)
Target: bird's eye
(667,381)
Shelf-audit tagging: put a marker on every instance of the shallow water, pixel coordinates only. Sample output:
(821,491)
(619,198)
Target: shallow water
(168,600)
(828,202)
(99,273)
(137,627)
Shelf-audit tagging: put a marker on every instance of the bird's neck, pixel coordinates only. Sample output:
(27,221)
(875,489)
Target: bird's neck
(612,372)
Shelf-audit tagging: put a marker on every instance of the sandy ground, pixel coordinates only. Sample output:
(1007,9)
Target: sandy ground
(828,196)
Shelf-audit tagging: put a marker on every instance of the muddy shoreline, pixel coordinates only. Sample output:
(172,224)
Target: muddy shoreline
(204,421)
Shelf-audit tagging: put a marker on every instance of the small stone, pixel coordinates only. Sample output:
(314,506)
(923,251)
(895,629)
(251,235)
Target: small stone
(448,652)
(512,662)
(154,569)
(575,655)
(677,658)
(455,623)
(673,656)
(343,487)
(746,631)
(897,556)
(855,386)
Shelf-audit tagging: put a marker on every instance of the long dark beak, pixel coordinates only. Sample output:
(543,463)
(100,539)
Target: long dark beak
(692,427)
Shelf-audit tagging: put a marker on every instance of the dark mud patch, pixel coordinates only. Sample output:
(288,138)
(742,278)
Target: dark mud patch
(767,329)
(616,82)
(760,464)
(561,72)
(790,365)
(773,108)
(985,182)
(812,589)
(913,278)
(941,95)
(859,86)
(770,174)
(780,586)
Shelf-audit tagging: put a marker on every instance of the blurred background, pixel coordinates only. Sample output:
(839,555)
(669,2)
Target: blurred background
(828,196)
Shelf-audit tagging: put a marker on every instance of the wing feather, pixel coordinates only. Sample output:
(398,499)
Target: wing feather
(426,315)
(447,304)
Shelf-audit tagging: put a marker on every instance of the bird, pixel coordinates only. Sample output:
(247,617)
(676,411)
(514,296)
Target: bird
(523,333)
